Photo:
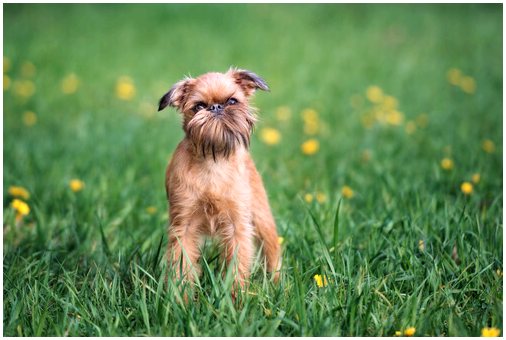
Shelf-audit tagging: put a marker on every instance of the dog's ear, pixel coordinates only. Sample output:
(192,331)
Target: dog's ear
(177,94)
(248,81)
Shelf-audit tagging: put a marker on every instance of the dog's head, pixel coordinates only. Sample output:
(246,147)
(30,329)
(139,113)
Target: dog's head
(217,117)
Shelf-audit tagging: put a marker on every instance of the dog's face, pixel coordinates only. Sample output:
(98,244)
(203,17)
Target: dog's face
(217,117)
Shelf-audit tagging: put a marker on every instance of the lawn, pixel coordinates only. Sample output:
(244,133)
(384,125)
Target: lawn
(380,146)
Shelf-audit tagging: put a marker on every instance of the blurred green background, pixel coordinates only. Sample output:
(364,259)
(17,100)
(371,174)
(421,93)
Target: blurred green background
(400,104)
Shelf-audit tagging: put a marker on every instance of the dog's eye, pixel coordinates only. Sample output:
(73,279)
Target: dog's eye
(199,106)
(232,101)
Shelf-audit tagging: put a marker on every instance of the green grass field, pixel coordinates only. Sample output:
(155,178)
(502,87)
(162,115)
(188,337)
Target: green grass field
(401,105)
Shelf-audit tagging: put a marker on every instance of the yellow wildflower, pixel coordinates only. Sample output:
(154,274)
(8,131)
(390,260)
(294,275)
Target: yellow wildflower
(366,155)
(7,82)
(125,88)
(374,94)
(476,178)
(410,331)
(151,210)
(76,185)
(390,103)
(467,188)
(321,281)
(468,84)
(394,117)
(321,197)
(422,120)
(454,76)
(22,209)
(147,109)
(28,69)
(490,332)
(347,192)
(499,272)
(447,164)
(24,88)
(29,118)
(398,333)
(270,136)
(280,240)
(7,64)
(488,146)
(421,245)
(308,198)
(311,127)
(310,115)
(410,127)
(19,192)
(283,113)
(310,147)
(69,84)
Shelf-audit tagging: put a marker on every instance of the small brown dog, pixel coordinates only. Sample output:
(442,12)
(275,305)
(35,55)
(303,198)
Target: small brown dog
(213,187)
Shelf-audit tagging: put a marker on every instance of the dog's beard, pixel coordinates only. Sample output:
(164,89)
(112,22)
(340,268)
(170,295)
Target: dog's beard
(220,135)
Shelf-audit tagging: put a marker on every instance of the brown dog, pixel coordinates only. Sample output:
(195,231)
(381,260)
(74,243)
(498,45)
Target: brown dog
(213,187)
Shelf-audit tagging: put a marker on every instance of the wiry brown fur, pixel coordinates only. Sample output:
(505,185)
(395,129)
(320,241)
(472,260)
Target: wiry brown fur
(213,187)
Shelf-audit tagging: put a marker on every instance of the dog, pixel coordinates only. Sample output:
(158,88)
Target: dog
(213,187)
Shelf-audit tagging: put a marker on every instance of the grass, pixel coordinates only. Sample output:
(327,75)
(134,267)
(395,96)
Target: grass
(91,262)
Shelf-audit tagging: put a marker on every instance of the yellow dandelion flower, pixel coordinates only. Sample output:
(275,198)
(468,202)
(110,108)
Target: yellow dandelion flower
(125,88)
(76,185)
(467,188)
(310,147)
(70,84)
(421,245)
(7,64)
(366,155)
(422,120)
(490,332)
(321,197)
(24,88)
(283,113)
(446,164)
(28,69)
(151,210)
(468,85)
(311,127)
(147,110)
(308,198)
(398,333)
(454,76)
(281,240)
(374,94)
(476,178)
(390,103)
(309,115)
(29,118)
(488,146)
(321,280)
(7,82)
(19,192)
(21,207)
(394,117)
(347,192)
(410,331)
(410,127)
(270,136)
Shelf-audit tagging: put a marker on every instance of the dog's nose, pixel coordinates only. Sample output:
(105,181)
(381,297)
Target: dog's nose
(216,108)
